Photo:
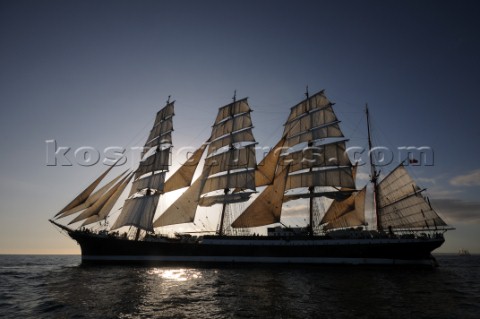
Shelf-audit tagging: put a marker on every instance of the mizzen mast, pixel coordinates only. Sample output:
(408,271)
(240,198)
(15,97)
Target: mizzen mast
(373,170)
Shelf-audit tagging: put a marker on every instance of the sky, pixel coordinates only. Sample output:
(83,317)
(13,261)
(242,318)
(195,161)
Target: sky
(93,73)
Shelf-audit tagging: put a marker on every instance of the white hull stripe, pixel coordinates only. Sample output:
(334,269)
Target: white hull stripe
(264,260)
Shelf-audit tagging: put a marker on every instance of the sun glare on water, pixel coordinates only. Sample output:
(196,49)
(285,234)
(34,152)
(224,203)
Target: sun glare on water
(182,274)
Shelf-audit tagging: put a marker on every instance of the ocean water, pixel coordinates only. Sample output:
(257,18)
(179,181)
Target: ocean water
(60,287)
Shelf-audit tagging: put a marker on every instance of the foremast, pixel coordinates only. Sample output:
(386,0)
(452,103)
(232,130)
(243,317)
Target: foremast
(140,207)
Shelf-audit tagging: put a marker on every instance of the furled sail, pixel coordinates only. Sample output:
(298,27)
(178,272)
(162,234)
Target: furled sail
(140,208)
(83,196)
(401,204)
(231,167)
(349,212)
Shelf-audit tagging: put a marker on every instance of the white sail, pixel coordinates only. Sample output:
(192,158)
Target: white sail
(317,116)
(138,212)
(83,196)
(225,198)
(98,205)
(332,154)
(107,208)
(349,212)
(159,161)
(160,134)
(232,167)
(231,139)
(93,198)
(154,181)
(401,204)
(237,107)
(157,141)
(184,175)
(321,163)
(337,177)
(241,179)
(267,167)
(331,130)
(231,125)
(311,120)
(232,159)
(316,101)
(267,207)
(184,208)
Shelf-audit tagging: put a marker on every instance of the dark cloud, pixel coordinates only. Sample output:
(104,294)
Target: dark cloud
(456,210)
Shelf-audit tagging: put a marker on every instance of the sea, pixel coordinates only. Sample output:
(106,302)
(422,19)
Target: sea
(61,287)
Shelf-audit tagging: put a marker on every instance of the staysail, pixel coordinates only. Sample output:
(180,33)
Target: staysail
(76,204)
(349,212)
(106,209)
(184,175)
(101,202)
(184,208)
(267,207)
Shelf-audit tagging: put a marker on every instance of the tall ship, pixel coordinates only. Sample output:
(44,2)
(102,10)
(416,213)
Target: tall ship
(308,166)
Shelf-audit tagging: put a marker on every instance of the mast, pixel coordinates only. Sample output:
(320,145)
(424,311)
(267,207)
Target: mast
(227,190)
(311,189)
(313,147)
(139,209)
(230,160)
(373,170)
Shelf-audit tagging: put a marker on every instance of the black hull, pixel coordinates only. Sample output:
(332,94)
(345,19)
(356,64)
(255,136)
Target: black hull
(259,250)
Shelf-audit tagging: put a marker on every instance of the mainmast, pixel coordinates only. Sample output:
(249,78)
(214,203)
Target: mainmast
(373,170)
(312,153)
(230,159)
(311,189)
(227,190)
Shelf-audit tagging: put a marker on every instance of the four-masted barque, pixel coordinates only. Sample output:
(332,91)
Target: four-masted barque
(308,163)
